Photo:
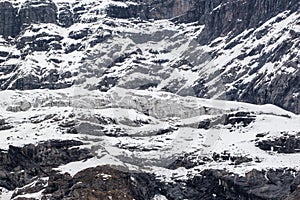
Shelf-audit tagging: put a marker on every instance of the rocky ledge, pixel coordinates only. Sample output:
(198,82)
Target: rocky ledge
(30,170)
(20,166)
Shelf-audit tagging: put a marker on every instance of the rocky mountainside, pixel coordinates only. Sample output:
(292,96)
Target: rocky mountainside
(232,50)
(149,99)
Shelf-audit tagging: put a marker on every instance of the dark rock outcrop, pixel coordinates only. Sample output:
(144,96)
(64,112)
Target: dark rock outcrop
(221,17)
(9,23)
(23,165)
(13,19)
(221,185)
(294,196)
(244,118)
(65,16)
(152,9)
(103,182)
(238,118)
(281,91)
(132,11)
(37,11)
(4,125)
(189,161)
(20,165)
(284,144)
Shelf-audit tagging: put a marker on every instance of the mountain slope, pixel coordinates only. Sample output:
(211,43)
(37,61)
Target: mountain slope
(149,99)
(244,57)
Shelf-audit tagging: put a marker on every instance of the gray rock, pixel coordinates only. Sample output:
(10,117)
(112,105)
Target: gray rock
(37,11)
(21,106)
(20,165)
(221,185)
(4,125)
(284,144)
(9,23)
(222,16)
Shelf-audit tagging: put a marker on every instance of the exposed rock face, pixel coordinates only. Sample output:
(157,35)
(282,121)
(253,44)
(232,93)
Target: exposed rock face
(294,196)
(65,15)
(222,16)
(170,9)
(132,11)
(105,182)
(281,91)
(9,23)
(4,125)
(285,144)
(221,185)
(37,11)
(189,161)
(152,9)
(20,165)
(102,182)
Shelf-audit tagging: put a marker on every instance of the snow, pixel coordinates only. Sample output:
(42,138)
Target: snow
(37,195)
(159,197)
(75,167)
(127,106)
(5,194)
(131,140)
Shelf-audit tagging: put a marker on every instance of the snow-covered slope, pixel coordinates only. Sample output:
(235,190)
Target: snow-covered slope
(141,89)
(150,131)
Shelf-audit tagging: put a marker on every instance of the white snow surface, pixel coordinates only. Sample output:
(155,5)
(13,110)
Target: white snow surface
(139,116)
(135,117)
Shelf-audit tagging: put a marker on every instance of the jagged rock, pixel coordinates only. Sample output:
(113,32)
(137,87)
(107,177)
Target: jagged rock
(39,184)
(244,118)
(295,195)
(39,42)
(221,185)
(107,83)
(37,11)
(65,16)
(72,130)
(285,144)
(20,165)
(4,125)
(222,17)
(79,34)
(189,161)
(100,183)
(21,106)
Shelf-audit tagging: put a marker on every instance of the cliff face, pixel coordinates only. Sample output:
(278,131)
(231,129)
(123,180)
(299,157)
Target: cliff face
(152,9)
(224,17)
(9,24)
(220,17)
(14,20)
(110,78)
(169,9)
(37,11)
(221,20)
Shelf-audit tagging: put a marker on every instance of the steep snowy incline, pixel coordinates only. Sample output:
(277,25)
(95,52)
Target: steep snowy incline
(151,132)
